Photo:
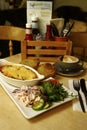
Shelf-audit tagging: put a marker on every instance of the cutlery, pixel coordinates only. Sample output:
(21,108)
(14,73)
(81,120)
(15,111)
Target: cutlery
(67,28)
(83,88)
(76,86)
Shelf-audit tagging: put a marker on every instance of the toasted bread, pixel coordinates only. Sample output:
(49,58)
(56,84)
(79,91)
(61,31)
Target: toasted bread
(46,69)
(34,63)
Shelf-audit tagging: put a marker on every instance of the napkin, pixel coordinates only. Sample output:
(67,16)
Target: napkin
(76,103)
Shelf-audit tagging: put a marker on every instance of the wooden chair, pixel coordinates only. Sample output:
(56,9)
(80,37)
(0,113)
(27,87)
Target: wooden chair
(11,33)
(79,47)
(45,50)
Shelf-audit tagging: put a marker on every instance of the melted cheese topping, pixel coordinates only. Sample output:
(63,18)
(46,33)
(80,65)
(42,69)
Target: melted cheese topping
(18,72)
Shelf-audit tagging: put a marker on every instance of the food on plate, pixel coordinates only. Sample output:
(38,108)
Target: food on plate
(18,72)
(34,63)
(70,59)
(41,96)
(46,69)
(38,105)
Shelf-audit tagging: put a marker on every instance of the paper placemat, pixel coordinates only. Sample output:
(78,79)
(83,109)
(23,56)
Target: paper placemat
(76,103)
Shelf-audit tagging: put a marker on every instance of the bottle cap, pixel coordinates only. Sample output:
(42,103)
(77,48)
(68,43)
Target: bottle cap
(28,25)
(34,18)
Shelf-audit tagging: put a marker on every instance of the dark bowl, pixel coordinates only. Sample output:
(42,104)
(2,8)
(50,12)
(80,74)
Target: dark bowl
(67,66)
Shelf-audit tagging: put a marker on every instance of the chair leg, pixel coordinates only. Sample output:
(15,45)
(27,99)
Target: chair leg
(10,48)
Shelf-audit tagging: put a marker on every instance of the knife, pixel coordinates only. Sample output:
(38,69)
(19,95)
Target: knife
(76,86)
(83,88)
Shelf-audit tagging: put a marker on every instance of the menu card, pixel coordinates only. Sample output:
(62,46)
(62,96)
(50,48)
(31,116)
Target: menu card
(41,9)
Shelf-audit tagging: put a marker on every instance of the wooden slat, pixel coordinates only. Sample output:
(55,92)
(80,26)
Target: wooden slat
(46,43)
(44,59)
(46,51)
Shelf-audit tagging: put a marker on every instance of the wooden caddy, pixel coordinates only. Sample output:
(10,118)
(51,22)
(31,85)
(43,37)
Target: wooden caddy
(46,51)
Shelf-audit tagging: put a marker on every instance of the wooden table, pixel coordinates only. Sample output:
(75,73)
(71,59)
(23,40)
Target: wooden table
(62,117)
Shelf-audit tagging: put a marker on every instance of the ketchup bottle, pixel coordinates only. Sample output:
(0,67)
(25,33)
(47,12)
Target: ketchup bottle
(48,35)
(28,35)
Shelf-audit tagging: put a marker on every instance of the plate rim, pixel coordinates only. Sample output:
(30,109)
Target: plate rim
(72,74)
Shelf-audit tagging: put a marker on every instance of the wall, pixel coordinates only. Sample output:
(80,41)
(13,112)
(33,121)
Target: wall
(79,3)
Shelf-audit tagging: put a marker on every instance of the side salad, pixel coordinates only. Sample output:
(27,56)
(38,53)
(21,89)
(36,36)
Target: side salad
(41,96)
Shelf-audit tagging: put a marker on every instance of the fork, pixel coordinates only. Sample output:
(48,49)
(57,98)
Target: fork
(76,86)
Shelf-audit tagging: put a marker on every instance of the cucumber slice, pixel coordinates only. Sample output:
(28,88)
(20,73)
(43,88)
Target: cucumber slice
(38,105)
(47,105)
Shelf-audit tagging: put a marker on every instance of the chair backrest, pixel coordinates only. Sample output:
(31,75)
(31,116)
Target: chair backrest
(79,40)
(11,33)
(45,50)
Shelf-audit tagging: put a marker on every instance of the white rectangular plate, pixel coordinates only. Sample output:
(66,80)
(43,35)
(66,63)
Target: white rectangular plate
(27,111)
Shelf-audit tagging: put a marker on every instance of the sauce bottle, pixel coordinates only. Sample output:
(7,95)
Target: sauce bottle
(48,35)
(35,27)
(28,35)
